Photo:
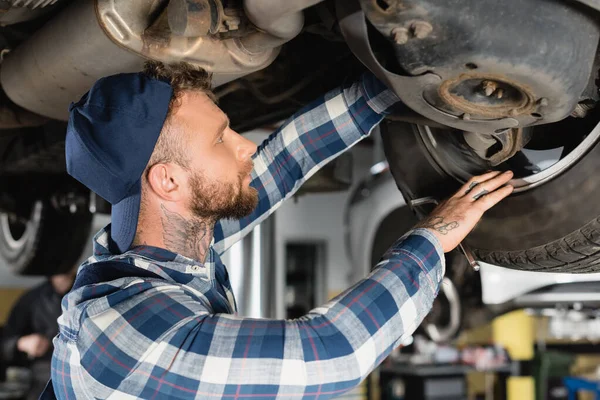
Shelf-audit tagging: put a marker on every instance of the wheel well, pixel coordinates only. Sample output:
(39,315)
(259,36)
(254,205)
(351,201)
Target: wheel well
(391,228)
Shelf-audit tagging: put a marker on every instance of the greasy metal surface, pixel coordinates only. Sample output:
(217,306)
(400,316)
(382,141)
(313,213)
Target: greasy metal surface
(409,88)
(528,44)
(452,157)
(512,140)
(55,66)
(126,23)
(192,18)
(270,15)
(278,22)
(484,96)
(498,147)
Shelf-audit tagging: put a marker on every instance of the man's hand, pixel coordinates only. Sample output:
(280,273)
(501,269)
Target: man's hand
(35,345)
(453,219)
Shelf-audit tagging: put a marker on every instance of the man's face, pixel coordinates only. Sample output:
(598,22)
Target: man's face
(62,283)
(220,161)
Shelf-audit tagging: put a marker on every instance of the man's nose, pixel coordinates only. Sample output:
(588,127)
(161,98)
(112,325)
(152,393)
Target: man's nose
(246,148)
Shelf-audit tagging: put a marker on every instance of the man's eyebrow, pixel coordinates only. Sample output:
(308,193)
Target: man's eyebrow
(223,126)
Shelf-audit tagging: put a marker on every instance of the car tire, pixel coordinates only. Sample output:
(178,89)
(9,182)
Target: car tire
(48,242)
(554,227)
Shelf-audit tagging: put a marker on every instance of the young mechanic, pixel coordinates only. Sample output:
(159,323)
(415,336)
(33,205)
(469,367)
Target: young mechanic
(152,313)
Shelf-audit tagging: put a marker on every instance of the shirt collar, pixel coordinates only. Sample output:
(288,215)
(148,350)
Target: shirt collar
(162,258)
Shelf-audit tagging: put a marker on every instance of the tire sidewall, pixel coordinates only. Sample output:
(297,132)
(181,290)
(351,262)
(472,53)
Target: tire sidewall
(18,258)
(522,221)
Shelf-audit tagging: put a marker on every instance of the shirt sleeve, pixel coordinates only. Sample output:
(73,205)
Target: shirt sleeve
(306,142)
(325,353)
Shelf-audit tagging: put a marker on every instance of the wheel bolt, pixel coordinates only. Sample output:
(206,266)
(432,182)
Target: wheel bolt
(400,35)
(421,29)
(489,87)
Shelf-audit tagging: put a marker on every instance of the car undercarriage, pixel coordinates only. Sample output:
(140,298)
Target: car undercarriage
(484,85)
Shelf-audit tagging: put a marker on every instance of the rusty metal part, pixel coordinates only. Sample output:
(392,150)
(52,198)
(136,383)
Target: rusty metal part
(55,67)
(466,40)
(408,88)
(400,35)
(193,18)
(472,93)
(228,59)
(416,29)
(489,87)
(582,109)
(498,147)
(512,141)
(421,29)
(279,21)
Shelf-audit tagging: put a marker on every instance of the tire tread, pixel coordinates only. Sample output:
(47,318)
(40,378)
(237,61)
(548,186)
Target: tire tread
(577,252)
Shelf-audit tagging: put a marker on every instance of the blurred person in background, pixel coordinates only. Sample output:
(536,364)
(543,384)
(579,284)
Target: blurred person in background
(30,328)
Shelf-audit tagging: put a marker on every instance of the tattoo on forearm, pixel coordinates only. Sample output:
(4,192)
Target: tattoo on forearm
(188,237)
(438,224)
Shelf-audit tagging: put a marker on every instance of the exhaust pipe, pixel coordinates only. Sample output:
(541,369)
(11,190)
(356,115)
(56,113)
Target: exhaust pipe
(95,38)
(279,22)
(62,60)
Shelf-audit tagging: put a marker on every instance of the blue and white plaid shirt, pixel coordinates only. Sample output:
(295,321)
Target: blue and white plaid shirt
(154,325)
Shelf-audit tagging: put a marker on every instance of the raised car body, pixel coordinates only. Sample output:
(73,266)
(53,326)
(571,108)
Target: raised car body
(482,83)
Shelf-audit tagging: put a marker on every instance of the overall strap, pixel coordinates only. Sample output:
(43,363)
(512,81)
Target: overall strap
(103,271)
(106,271)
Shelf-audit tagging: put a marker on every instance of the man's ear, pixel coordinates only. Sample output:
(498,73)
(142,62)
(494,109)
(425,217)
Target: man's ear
(165,180)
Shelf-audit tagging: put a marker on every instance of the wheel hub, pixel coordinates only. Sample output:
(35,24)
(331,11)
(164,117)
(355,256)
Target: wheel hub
(485,96)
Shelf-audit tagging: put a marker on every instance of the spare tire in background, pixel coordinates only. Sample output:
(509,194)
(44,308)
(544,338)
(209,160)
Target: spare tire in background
(554,227)
(48,242)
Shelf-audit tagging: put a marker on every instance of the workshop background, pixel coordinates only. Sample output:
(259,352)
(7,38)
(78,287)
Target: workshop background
(493,333)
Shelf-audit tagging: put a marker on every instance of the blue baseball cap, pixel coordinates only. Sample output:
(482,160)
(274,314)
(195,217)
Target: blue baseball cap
(111,135)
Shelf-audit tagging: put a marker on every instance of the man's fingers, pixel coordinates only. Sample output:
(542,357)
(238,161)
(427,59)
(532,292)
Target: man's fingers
(490,185)
(490,200)
(474,182)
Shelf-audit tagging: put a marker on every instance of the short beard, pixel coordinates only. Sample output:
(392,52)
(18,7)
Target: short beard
(215,201)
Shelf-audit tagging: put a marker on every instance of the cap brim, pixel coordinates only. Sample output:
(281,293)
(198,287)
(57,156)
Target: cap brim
(124,218)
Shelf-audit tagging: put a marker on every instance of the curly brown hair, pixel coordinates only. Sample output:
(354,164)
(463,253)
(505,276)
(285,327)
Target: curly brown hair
(183,77)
